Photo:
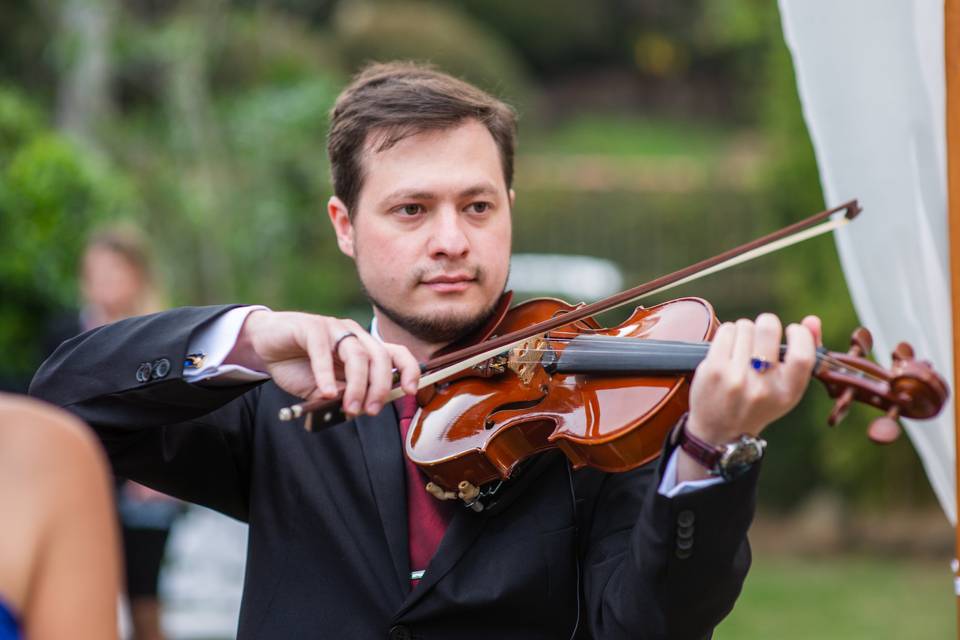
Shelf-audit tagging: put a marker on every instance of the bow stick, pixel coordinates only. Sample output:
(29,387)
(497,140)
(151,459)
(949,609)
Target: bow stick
(436,369)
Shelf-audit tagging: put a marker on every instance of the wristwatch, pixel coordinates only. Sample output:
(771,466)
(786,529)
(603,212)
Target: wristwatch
(728,461)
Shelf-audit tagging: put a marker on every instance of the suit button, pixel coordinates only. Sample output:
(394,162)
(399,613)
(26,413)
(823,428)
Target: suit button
(683,554)
(399,632)
(685,518)
(685,544)
(161,368)
(685,532)
(143,372)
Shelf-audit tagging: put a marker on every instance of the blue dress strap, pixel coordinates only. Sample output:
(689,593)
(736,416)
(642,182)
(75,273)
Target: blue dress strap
(9,628)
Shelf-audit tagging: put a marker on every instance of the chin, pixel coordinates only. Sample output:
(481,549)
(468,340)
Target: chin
(440,321)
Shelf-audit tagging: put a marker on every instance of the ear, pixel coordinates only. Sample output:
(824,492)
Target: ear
(342,225)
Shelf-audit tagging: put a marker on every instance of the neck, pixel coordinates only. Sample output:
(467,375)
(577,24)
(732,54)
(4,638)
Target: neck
(393,333)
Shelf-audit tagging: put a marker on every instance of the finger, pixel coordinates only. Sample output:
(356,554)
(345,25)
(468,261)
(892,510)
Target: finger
(407,365)
(379,371)
(321,360)
(766,337)
(355,369)
(800,357)
(721,347)
(815,326)
(743,345)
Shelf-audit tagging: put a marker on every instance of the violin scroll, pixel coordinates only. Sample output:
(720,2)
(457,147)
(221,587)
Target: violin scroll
(910,388)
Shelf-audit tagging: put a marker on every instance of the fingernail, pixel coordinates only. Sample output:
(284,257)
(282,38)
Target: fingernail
(329,390)
(373,408)
(354,407)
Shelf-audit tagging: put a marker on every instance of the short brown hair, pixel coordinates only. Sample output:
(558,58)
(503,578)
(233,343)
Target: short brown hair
(396,100)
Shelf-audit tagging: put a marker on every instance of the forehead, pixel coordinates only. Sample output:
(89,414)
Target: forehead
(435,160)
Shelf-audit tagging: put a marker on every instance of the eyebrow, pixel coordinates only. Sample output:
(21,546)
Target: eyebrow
(476,190)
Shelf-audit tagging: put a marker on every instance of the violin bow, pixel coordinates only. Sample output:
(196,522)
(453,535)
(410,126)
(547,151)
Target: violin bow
(436,369)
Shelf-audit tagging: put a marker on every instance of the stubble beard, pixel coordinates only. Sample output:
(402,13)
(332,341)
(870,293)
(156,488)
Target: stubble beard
(432,328)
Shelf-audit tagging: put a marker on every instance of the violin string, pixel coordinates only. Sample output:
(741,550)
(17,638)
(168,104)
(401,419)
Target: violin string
(635,346)
(657,347)
(825,361)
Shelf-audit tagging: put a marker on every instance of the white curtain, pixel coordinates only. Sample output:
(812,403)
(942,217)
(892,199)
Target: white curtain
(871,80)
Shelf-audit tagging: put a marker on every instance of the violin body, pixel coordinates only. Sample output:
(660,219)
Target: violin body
(477,428)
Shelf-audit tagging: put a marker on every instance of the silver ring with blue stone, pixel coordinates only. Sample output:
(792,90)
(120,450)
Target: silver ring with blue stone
(760,365)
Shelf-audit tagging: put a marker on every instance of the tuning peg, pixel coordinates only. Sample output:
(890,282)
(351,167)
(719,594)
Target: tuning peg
(886,429)
(903,352)
(840,407)
(861,342)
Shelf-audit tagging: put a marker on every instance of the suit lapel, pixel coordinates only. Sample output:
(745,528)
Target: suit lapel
(380,441)
(460,536)
(466,526)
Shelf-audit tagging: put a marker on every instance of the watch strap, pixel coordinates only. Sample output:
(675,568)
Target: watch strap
(706,454)
(727,462)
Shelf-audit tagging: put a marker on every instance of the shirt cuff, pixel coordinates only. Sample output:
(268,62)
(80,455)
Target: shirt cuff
(670,488)
(211,345)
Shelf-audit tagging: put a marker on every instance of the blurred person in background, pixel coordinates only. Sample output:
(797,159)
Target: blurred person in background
(59,555)
(117,281)
(344,541)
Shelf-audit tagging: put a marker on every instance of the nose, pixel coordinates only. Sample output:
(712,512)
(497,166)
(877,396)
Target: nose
(448,236)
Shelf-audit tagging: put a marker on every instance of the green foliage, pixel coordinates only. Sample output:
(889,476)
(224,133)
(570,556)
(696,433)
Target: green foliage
(431,32)
(631,136)
(554,34)
(51,194)
(19,122)
(269,48)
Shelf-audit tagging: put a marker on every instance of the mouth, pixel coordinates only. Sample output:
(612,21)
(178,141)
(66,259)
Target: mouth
(450,283)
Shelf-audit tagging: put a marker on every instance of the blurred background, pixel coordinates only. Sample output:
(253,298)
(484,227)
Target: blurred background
(652,134)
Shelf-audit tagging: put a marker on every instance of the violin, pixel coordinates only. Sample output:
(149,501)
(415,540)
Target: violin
(545,375)
(608,397)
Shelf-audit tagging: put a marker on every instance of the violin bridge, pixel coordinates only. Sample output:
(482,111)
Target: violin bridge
(523,360)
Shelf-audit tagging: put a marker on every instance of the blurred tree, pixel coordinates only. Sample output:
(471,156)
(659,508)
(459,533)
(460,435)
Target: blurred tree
(84,45)
(51,194)
(370,30)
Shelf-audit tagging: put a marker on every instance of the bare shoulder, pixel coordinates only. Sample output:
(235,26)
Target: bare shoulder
(51,464)
(58,551)
(38,433)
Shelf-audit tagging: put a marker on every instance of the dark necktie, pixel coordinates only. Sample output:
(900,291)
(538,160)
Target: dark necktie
(427,517)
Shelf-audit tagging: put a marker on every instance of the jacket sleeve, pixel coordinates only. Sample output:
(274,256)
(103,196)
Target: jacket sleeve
(126,380)
(658,567)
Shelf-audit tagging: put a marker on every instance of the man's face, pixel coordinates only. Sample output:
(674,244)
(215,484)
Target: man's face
(431,231)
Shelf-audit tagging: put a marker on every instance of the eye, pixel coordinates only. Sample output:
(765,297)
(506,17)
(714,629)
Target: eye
(410,209)
(479,207)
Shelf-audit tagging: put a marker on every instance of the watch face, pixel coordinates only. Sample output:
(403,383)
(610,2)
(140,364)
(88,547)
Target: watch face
(740,455)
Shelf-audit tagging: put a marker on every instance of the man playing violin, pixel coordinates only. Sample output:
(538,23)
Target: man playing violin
(342,543)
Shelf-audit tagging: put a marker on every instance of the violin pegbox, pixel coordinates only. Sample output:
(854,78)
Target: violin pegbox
(910,388)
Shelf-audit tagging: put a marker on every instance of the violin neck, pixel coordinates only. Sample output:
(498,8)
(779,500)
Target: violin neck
(611,355)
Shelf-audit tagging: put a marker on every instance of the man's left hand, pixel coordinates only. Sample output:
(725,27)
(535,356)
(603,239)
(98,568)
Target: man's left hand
(728,397)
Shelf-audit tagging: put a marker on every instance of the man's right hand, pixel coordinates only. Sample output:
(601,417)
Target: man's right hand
(302,354)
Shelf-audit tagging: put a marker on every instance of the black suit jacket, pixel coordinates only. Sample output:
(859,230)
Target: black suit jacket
(562,554)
